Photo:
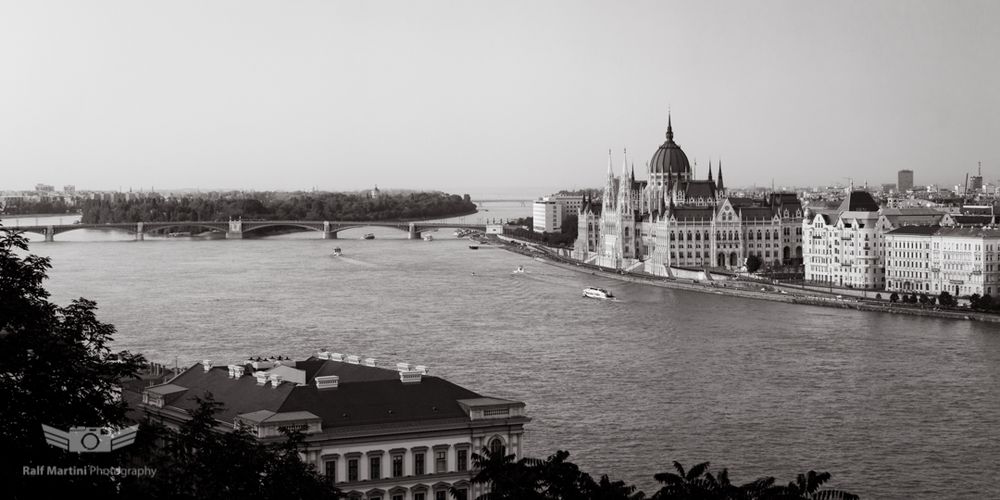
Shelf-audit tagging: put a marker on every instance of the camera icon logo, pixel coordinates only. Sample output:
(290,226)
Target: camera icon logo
(90,439)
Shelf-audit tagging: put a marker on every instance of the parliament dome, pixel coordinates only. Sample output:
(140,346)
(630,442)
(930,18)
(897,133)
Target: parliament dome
(669,158)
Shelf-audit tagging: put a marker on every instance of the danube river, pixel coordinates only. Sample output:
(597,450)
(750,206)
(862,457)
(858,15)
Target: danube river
(893,406)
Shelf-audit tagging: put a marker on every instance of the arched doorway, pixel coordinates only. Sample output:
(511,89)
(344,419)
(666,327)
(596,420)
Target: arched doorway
(786,254)
(720,260)
(733,259)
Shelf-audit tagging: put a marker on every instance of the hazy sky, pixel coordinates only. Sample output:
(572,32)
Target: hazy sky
(491,97)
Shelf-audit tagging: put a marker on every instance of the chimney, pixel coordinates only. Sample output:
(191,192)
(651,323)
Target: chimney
(421,368)
(336,356)
(207,364)
(261,377)
(324,354)
(353,359)
(238,371)
(275,380)
(410,377)
(369,361)
(403,367)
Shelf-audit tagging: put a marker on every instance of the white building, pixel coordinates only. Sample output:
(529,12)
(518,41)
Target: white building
(379,433)
(546,216)
(845,246)
(959,260)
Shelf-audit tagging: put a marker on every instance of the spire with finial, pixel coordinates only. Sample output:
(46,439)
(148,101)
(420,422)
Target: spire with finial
(670,128)
(709,170)
(719,186)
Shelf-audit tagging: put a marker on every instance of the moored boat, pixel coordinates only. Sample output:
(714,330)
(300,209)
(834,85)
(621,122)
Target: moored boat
(473,247)
(597,293)
(369,236)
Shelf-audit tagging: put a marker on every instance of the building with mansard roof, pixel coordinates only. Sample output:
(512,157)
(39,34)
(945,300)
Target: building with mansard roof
(671,219)
(387,433)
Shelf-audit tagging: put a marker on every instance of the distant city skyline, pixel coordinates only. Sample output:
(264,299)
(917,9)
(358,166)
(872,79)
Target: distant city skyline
(483,98)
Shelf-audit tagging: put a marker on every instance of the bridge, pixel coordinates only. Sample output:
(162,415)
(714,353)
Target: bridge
(235,229)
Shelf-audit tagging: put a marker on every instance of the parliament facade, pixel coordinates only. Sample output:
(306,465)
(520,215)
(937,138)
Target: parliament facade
(672,220)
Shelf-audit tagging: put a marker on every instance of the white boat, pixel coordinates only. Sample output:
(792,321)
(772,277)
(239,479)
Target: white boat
(597,293)
(337,252)
(520,269)
(428,237)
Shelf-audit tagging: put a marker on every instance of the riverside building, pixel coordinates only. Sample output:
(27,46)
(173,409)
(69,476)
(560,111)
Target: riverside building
(930,259)
(671,220)
(379,433)
(845,246)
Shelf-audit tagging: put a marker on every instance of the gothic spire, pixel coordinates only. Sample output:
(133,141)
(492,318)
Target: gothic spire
(719,185)
(670,128)
(709,170)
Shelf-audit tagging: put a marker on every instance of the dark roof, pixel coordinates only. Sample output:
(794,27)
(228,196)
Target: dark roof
(750,213)
(859,201)
(669,158)
(972,219)
(737,202)
(699,189)
(916,230)
(693,213)
(365,395)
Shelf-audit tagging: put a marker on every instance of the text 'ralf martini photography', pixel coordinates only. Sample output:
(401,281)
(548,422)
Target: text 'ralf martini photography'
(567,250)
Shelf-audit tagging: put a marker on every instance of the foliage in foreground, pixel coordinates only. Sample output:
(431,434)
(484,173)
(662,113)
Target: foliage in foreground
(58,369)
(557,479)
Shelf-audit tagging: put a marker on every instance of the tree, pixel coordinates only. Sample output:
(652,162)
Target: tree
(753,263)
(924,299)
(878,296)
(700,484)
(894,297)
(975,301)
(946,300)
(58,370)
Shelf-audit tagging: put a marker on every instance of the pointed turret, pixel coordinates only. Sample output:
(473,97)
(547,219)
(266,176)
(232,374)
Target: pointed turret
(719,186)
(670,129)
(709,170)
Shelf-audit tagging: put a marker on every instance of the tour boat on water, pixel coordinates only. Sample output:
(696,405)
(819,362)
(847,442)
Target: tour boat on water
(337,252)
(597,293)
(369,236)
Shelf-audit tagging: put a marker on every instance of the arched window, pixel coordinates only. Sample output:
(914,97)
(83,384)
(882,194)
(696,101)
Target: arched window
(496,445)
(697,236)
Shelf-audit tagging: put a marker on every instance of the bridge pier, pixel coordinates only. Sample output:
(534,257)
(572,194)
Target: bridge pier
(327,233)
(139,234)
(414,234)
(50,233)
(235,230)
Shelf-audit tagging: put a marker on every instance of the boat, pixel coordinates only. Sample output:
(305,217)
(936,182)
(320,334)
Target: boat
(368,236)
(473,247)
(597,293)
(337,252)
(520,269)
(428,237)
(180,234)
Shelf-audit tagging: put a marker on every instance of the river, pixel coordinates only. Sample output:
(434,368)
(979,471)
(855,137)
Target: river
(893,406)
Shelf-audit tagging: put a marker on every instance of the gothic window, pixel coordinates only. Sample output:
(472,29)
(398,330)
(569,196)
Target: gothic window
(697,236)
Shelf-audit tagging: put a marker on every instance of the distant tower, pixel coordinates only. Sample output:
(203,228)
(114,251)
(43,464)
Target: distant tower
(977,180)
(375,193)
(905,181)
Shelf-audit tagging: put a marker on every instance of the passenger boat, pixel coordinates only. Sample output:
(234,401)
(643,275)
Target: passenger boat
(428,237)
(369,236)
(597,293)
(337,252)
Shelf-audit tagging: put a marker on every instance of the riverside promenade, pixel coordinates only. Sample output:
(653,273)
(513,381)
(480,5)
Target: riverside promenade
(775,292)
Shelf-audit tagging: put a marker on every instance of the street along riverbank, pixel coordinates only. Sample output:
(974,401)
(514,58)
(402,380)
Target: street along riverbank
(754,290)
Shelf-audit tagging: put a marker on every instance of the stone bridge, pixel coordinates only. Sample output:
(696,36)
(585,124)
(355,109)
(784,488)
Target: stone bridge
(235,229)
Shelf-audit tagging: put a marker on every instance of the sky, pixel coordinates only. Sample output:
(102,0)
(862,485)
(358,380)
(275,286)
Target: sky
(511,97)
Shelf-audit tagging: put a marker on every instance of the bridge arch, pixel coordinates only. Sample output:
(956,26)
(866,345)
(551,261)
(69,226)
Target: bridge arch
(249,228)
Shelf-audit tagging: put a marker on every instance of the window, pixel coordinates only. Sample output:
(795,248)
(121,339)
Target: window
(397,465)
(397,497)
(418,464)
(418,496)
(440,461)
(440,495)
(375,468)
(496,444)
(352,469)
(463,460)
(330,467)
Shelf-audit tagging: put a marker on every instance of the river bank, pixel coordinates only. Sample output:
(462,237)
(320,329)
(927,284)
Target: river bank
(754,290)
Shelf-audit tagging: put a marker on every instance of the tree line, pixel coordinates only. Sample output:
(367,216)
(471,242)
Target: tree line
(279,206)
(985,303)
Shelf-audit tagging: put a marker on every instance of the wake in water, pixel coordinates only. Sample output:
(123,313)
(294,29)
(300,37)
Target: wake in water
(354,262)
